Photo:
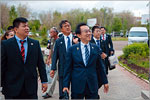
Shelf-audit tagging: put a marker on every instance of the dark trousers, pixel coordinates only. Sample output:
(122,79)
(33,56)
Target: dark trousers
(23,95)
(60,87)
(106,64)
(86,94)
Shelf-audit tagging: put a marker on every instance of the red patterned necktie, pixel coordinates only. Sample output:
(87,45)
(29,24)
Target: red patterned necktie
(103,37)
(22,50)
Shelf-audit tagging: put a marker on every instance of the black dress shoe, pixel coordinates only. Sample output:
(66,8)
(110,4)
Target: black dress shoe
(46,96)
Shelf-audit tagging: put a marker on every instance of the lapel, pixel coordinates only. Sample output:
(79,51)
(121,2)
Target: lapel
(79,52)
(62,44)
(30,46)
(93,41)
(91,52)
(16,47)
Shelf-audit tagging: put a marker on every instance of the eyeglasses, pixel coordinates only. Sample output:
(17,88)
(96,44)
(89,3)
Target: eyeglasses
(86,31)
(98,31)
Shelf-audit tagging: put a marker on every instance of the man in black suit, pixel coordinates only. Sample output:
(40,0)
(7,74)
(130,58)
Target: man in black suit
(96,39)
(59,55)
(82,62)
(20,57)
(106,46)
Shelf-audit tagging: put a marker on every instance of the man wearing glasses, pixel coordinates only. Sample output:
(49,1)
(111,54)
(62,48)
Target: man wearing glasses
(82,62)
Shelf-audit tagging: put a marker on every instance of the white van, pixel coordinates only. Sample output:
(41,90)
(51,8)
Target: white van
(138,34)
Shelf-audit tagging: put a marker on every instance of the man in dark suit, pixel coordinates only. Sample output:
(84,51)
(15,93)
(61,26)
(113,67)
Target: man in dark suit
(106,46)
(96,39)
(61,46)
(20,57)
(82,61)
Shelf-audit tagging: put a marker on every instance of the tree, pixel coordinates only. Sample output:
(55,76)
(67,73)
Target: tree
(23,11)
(4,16)
(13,14)
(46,19)
(117,25)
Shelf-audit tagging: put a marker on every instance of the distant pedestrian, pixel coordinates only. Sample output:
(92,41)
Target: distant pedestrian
(51,82)
(106,46)
(8,34)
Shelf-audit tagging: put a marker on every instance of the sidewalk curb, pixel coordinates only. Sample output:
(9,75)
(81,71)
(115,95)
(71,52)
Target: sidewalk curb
(144,93)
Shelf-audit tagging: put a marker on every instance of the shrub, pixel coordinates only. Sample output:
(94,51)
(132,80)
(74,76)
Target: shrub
(136,48)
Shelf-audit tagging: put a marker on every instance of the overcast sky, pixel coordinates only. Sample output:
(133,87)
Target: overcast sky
(136,7)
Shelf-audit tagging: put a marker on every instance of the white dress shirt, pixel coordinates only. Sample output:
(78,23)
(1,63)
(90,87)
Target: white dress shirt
(104,36)
(66,39)
(95,40)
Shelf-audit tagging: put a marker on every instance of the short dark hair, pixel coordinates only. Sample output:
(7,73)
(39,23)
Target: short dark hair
(19,20)
(78,30)
(103,27)
(63,22)
(94,27)
(10,28)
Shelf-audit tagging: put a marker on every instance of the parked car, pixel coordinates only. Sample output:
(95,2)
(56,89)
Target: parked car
(138,34)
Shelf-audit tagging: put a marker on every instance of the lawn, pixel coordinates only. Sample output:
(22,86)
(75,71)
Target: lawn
(119,39)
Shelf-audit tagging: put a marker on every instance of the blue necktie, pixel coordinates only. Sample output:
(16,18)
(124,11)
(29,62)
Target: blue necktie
(68,42)
(86,54)
(98,42)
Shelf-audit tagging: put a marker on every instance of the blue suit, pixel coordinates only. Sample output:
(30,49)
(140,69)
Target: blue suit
(59,55)
(80,75)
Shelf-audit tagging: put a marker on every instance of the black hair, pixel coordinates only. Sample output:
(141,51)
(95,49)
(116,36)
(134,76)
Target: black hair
(63,22)
(103,27)
(19,20)
(10,28)
(94,27)
(78,30)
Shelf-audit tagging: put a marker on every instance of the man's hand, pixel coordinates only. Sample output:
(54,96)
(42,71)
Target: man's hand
(106,88)
(52,73)
(75,40)
(66,89)
(44,87)
(111,52)
(103,55)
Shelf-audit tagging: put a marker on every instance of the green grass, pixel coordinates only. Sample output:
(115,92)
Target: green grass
(119,39)
(141,75)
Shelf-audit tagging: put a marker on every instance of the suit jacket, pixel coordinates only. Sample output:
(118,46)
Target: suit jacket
(106,45)
(93,41)
(78,74)
(59,55)
(15,72)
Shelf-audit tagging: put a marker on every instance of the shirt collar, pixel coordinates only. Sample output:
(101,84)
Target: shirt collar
(95,39)
(82,44)
(18,39)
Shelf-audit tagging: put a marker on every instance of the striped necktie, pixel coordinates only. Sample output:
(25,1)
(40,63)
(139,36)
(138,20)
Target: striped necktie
(86,54)
(22,49)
